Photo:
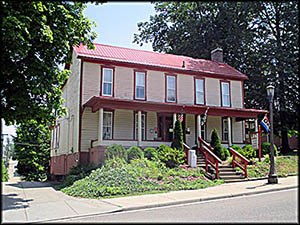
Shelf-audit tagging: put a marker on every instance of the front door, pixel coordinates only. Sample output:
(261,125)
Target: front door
(165,123)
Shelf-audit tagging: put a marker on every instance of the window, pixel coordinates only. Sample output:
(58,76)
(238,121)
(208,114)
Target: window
(107,125)
(225,94)
(171,88)
(143,126)
(107,82)
(140,85)
(55,133)
(225,129)
(199,89)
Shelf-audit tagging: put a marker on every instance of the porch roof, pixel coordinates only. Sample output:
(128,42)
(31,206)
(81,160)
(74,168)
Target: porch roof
(97,102)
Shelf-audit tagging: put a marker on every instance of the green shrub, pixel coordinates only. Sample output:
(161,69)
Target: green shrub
(178,136)
(4,172)
(265,149)
(171,157)
(115,151)
(134,152)
(215,143)
(248,151)
(236,148)
(150,153)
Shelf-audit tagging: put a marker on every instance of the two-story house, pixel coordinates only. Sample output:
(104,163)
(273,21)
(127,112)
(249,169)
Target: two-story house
(132,97)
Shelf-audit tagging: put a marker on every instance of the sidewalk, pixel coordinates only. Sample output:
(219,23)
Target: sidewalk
(38,201)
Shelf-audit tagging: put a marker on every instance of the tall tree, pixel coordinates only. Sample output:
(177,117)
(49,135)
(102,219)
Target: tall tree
(258,38)
(32,150)
(37,37)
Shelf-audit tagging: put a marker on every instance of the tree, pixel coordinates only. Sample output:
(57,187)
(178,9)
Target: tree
(178,136)
(32,150)
(260,39)
(37,37)
(215,143)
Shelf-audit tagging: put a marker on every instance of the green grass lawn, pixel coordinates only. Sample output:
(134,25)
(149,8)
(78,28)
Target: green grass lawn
(284,166)
(141,176)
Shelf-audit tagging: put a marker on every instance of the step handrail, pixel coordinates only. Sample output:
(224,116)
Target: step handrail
(244,160)
(210,157)
(186,151)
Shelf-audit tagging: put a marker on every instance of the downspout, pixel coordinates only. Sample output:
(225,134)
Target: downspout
(80,111)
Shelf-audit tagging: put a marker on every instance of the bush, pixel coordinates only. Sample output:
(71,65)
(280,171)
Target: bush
(178,136)
(4,172)
(215,143)
(236,148)
(171,157)
(134,152)
(249,152)
(115,151)
(150,153)
(265,149)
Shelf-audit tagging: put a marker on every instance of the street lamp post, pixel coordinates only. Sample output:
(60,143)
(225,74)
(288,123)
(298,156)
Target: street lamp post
(272,179)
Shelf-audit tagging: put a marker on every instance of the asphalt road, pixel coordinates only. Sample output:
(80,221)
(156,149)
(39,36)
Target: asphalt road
(272,207)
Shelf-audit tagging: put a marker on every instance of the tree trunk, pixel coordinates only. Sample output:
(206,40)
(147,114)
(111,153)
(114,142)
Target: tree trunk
(284,134)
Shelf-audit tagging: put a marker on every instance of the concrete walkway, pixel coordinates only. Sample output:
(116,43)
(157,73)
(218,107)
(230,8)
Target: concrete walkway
(40,202)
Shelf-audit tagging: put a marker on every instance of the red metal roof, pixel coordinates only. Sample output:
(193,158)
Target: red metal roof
(142,57)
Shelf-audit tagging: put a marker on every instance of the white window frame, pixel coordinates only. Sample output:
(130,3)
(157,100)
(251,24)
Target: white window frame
(139,85)
(143,126)
(107,82)
(225,93)
(172,89)
(109,126)
(201,92)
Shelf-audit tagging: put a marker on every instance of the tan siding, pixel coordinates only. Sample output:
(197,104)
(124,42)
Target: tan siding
(151,124)
(237,131)
(190,123)
(124,82)
(212,91)
(91,81)
(185,89)
(236,94)
(214,122)
(71,95)
(89,129)
(155,86)
(123,124)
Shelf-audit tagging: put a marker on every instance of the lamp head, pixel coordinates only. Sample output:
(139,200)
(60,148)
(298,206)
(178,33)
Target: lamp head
(270,91)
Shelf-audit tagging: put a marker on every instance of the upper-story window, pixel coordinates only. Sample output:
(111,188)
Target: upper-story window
(107,81)
(225,93)
(171,88)
(199,91)
(140,85)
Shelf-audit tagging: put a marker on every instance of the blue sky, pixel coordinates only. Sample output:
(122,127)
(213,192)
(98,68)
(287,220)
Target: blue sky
(117,22)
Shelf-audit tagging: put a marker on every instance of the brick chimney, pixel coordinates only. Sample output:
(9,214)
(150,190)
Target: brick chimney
(217,55)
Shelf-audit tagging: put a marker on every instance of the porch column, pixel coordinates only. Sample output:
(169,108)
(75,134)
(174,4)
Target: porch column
(174,120)
(256,125)
(229,131)
(100,126)
(139,128)
(198,127)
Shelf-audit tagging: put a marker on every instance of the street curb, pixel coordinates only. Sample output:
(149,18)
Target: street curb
(203,199)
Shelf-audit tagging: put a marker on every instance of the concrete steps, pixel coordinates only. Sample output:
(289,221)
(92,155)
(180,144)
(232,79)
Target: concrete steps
(226,172)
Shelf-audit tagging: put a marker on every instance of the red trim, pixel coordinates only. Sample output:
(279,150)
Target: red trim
(166,97)
(195,100)
(225,81)
(113,81)
(134,84)
(161,69)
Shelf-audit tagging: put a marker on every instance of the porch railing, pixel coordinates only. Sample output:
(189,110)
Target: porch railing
(210,157)
(236,163)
